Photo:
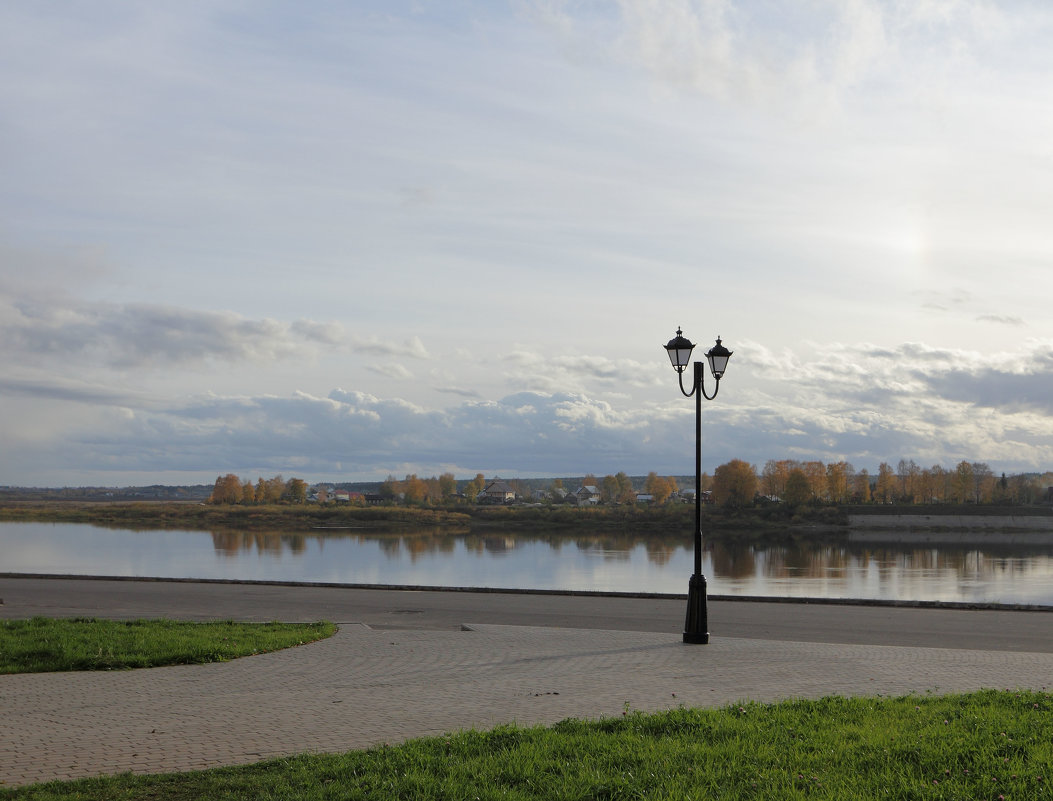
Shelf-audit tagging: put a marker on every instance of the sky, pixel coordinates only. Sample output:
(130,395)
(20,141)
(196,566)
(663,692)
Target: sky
(339,241)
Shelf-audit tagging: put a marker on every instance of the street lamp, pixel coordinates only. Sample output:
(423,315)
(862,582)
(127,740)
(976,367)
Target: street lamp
(679,349)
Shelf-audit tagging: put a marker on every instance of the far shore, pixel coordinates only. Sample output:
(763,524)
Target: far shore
(948,524)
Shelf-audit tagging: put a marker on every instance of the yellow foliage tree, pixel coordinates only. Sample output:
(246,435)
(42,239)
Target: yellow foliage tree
(735,483)
(226,490)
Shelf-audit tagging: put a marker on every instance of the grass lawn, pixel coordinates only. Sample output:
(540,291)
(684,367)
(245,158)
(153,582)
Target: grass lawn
(987,745)
(50,644)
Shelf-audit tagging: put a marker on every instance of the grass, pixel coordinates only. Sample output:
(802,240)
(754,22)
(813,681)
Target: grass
(987,745)
(561,519)
(150,515)
(48,644)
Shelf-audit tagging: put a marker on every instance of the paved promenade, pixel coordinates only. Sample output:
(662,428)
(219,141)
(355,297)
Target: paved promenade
(390,680)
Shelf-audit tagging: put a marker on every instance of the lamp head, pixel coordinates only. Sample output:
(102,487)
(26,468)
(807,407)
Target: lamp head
(679,349)
(718,357)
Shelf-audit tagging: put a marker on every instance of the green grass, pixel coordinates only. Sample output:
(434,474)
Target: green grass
(987,745)
(48,644)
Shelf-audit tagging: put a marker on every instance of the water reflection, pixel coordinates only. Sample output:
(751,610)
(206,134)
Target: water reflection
(812,569)
(596,560)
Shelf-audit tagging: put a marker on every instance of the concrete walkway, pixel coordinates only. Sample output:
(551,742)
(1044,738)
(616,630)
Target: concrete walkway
(366,686)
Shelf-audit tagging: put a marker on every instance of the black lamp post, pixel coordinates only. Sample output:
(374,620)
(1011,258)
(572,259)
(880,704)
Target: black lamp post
(696,627)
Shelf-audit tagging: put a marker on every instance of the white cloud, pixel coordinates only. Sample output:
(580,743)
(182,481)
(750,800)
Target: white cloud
(391,370)
(224,206)
(149,336)
(411,347)
(951,405)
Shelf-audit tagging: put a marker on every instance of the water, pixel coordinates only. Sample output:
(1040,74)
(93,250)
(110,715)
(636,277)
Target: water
(593,561)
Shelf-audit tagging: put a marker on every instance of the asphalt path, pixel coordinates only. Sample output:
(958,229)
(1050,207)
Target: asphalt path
(872,624)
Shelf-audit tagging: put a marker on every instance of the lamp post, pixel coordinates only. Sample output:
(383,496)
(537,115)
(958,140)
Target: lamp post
(696,626)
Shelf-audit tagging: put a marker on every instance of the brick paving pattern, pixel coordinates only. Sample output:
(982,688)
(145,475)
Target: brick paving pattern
(366,686)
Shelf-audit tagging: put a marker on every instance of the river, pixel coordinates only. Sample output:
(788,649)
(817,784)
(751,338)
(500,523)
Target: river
(593,561)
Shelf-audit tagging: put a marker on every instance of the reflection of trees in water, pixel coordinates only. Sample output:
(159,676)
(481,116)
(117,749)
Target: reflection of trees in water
(658,553)
(738,560)
(391,546)
(813,560)
(733,562)
(231,543)
(659,546)
(972,562)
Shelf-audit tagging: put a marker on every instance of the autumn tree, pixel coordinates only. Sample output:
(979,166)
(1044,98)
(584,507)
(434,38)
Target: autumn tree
(926,486)
(913,481)
(774,475)
(413,489)
(1023,489)
(295,490)
(657,487)
(816,473)
(474,487)
(609,489)
(942,484)
(837,474)
(389,489)
(273,489)
(447,486)
(983,483)
(908,473)
(963,482)
(248,493)
(226,490)
(626,493)
(861,486)
(735,484)
(797,490)
(885,489)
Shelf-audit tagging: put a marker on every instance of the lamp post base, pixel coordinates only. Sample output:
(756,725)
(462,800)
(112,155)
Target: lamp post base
(696,627)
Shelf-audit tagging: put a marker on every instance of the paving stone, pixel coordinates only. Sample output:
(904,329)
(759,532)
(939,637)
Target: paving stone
(364,687)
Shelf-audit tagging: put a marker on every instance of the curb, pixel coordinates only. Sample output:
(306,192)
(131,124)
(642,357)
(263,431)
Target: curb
(876,602)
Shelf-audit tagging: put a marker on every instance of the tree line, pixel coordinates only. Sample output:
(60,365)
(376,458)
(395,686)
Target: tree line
(232,490)
(735,483)
(797,482)
(616,488)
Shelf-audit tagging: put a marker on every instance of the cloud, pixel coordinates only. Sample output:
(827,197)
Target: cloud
(809,56)
(869,404)
(1000,319)
(861,403)
(390,370)
(50,271)
(411,347)
(464,393)
(150,335)
(357,434)
(537,372)
(940,300)
(61,389)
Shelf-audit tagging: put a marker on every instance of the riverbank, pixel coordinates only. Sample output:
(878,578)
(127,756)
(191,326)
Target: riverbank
(950,522)
(676,520)
(952,529)
(876,524)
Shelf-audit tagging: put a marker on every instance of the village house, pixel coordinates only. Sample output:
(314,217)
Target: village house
(498,491)
(588,494)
